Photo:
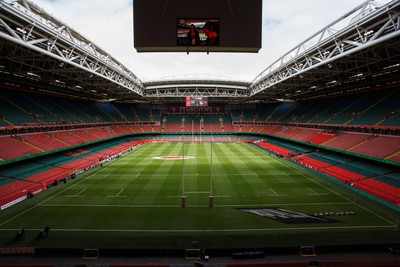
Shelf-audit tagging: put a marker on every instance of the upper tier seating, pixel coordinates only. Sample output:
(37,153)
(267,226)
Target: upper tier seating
(379,147)
(320,138)
(12,113)
(12,148)
(143,114)
(345,140)
(237,114)
(43,141)
(174,128)
(227,128)
(378,107)
(245,129)
(67,137)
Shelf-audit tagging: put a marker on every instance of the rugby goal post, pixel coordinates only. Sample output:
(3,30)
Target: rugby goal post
(193,254)
(183,201)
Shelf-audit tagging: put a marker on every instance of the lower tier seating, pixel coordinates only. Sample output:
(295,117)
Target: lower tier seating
(13,188)
(386,187)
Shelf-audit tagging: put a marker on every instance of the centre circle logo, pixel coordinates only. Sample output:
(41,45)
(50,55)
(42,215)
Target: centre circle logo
(173,157)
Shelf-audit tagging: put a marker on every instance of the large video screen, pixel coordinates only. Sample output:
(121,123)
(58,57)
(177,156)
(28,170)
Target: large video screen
(197,32)
(196,101)
(221,25)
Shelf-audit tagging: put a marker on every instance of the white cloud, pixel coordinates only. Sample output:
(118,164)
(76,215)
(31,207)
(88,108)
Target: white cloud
(109,25)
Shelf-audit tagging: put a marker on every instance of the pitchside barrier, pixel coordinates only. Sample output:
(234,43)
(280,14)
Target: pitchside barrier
(17,251)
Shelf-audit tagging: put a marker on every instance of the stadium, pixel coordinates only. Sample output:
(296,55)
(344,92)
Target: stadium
(299,166)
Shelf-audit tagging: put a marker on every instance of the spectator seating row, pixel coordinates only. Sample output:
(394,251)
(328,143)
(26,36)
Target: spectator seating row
(12,147)
(380,189)
(385,147)
(275,149)
(195,128)
(346,140)
(378,107)
(29,144)
(391,178)
(43,141)
(379,147)
(68,138)
(18,108)
(384,186)
(374,108)
(320,138)
(17,189)
(323,167)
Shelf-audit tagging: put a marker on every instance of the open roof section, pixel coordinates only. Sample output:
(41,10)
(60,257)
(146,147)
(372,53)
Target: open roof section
(60,60)
(345,55)
(40,53)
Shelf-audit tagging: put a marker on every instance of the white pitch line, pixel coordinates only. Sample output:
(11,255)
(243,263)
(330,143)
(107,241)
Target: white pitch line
(117,195)
(77,194)
(315,193)
(111,206)
(19,214)
(81,192)
(281,204)
(312,190)
(89,176)
(274,192)
(120,192)
(198,192)
(174,206)
(215,174)
(211,230)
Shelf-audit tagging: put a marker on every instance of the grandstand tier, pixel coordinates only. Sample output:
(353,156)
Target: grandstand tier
(88,123)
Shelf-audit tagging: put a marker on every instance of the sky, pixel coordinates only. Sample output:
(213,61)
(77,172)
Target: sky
(285,24)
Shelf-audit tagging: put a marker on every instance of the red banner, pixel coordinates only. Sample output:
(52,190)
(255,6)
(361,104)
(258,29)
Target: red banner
(196,110)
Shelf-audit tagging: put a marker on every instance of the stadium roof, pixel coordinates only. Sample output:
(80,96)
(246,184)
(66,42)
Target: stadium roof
(42,54)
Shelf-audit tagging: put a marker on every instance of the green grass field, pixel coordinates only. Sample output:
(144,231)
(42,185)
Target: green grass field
(135,202)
